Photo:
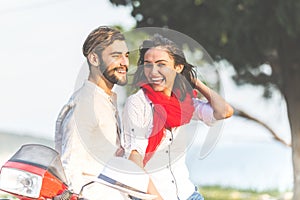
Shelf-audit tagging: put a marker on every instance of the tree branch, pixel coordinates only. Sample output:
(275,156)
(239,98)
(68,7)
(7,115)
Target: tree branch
(241,113)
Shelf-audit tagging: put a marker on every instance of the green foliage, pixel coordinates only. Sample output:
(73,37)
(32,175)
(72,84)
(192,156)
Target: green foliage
(247,33)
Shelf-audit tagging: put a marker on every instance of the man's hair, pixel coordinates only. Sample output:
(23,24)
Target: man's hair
(99,39)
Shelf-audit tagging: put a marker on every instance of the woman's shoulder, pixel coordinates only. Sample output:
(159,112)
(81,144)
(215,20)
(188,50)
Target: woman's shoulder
(138,97)
(138,103)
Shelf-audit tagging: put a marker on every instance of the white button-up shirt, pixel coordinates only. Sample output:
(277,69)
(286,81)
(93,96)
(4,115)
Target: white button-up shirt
(167,166)
(86,138)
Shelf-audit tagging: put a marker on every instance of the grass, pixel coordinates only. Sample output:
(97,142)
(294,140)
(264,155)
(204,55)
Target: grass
(6,196)
(221,193)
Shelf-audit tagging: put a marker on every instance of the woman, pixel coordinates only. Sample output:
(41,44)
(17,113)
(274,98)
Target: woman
(154,116)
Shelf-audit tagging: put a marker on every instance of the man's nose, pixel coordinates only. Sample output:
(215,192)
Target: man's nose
(124,61)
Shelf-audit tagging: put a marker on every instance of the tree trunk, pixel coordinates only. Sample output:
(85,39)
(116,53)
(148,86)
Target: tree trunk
(292,95)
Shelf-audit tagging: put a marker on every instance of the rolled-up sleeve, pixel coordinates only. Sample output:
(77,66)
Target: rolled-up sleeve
(204,112)
(137,120)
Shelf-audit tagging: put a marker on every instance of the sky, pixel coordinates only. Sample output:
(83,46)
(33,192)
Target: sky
(41,56)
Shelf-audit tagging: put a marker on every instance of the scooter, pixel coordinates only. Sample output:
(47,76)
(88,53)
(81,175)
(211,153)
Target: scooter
(35,172)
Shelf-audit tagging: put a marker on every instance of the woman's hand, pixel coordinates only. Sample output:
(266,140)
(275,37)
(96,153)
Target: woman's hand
(221,108)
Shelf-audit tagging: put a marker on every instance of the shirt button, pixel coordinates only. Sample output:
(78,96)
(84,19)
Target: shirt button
(167,151)
(173,181)
(132,130)
(170,139)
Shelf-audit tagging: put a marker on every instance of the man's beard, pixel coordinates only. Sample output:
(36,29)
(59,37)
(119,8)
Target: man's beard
(111,77)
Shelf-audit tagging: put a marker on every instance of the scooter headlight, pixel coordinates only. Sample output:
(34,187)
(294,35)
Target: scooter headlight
(20,182)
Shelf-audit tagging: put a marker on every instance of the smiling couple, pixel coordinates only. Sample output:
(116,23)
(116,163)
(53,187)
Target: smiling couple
(88,129)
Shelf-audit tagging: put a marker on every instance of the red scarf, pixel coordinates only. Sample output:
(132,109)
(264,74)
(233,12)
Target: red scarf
(169,112)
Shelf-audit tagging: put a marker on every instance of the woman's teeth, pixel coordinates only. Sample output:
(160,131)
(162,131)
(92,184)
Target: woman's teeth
(157,80)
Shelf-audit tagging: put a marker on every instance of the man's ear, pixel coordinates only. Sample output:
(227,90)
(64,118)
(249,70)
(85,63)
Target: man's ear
(94,59)
(179,68)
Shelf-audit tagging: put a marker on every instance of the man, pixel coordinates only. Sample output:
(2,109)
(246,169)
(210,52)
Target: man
(87,129)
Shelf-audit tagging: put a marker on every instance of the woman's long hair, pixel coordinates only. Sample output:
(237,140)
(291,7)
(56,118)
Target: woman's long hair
(185,81)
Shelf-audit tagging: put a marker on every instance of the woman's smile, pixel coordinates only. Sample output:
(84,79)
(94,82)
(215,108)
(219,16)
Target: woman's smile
(159,70)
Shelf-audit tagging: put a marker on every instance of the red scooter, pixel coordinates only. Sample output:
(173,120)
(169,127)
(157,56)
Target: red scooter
(35,172)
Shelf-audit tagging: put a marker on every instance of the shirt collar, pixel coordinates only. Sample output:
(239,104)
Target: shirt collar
(100,90)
